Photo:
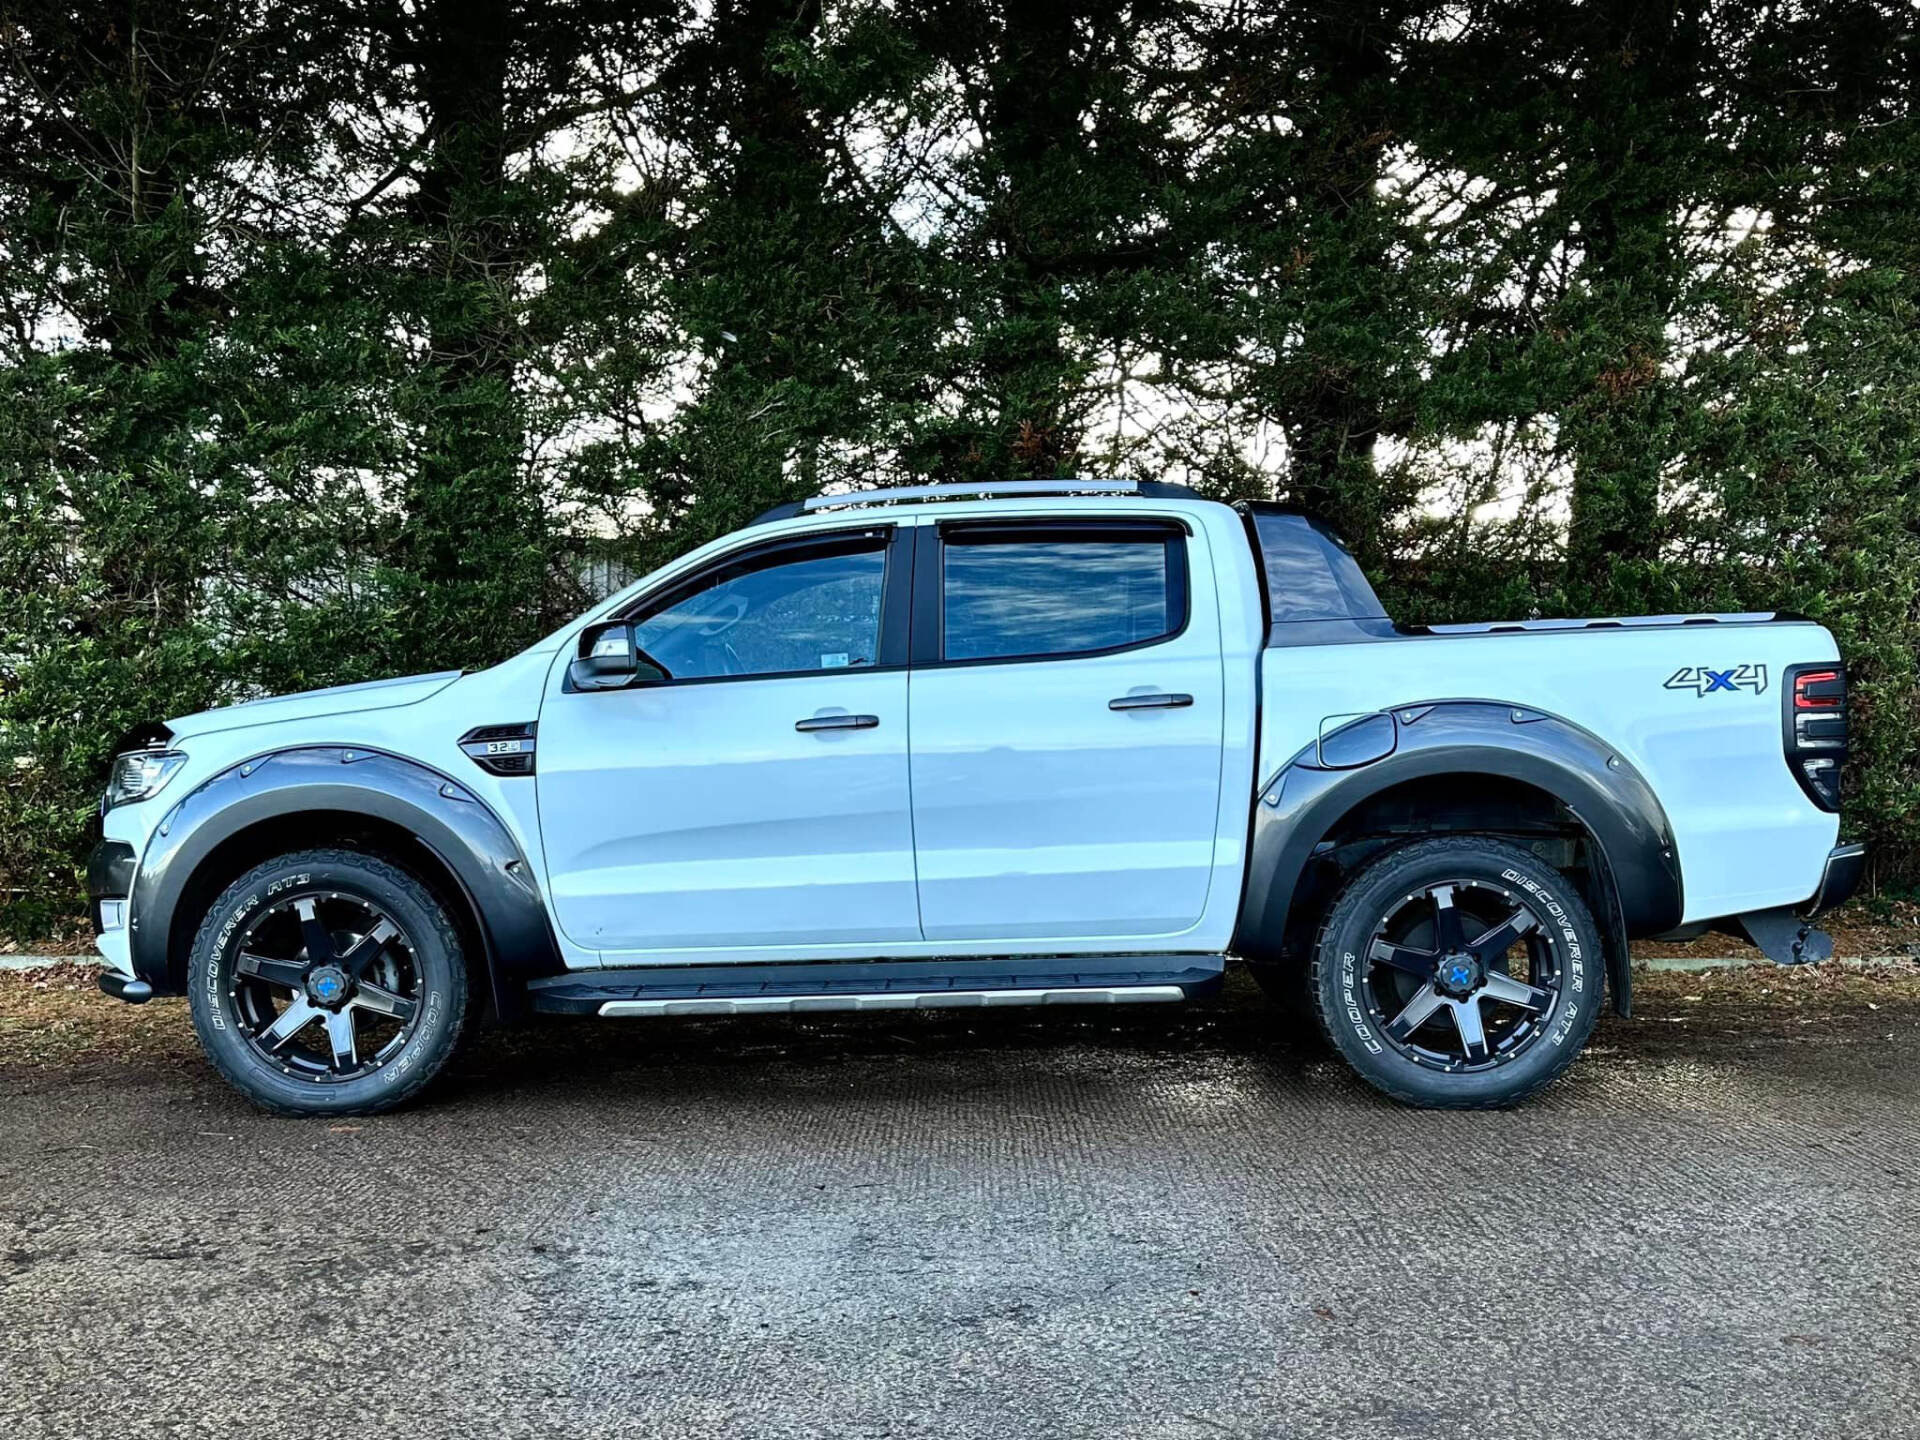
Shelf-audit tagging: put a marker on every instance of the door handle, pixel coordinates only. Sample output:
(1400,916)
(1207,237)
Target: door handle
(838,722)
(1150,702)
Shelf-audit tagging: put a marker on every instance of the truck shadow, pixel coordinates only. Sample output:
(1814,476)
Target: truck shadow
(560,1052)
(975,1052)
(1788,1033)
(1238,1033)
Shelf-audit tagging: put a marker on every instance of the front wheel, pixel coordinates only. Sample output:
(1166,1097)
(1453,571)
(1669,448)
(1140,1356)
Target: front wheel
(1458,973)
(328,982)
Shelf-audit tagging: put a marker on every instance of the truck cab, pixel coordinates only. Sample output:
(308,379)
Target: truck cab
(993,745)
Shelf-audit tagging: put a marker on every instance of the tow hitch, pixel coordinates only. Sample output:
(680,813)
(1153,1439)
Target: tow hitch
(1786,937)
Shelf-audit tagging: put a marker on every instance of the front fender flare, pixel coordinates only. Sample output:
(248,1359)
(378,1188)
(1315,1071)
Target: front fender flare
(1603,790)
(466,837)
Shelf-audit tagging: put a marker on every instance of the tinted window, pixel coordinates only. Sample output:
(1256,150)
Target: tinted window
(1309,575)
(818,613)
(1053,597)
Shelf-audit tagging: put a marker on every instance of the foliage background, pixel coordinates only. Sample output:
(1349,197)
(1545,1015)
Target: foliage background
(353,338)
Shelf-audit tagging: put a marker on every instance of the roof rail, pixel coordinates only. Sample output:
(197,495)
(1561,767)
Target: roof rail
(855,499)
(984,487)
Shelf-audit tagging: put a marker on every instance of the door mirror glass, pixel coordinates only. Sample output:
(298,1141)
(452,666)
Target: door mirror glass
(610,660)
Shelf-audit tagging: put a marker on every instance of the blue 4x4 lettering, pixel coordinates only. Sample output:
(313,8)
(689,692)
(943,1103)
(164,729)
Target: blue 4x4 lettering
(1704,680)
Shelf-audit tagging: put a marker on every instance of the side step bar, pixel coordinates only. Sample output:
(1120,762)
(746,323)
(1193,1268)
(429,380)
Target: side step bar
(894,1000)
(812,988)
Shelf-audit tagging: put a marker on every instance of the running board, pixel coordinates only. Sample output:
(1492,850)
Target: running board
(894,1000)
(813,988)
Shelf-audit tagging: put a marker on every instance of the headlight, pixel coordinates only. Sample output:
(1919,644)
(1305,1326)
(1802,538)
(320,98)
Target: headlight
(139,774)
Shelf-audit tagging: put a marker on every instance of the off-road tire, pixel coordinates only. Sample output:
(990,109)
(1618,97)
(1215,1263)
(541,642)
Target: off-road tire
(431,942)
(1394,878)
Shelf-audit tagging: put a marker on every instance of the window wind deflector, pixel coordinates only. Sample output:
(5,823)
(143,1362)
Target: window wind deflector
(989,531)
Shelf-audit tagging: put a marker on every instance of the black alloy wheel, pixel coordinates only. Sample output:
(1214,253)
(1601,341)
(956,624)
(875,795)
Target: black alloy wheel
(325,986)
(1461,976)
(1459,972)
(328,982)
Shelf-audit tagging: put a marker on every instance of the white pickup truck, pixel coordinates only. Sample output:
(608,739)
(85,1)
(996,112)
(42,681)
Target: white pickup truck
(1003,745)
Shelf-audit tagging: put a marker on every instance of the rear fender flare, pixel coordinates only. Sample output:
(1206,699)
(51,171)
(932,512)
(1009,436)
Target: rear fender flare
(462,833)
(1612,801)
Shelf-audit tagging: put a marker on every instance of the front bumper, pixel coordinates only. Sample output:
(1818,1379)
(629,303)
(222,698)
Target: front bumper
(1846,867)
(125,987)
(110,878)
(109,884)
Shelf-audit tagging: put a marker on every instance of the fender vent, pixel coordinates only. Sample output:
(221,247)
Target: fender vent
(501,749)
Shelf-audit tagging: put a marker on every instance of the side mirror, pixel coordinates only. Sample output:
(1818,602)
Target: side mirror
(609,660)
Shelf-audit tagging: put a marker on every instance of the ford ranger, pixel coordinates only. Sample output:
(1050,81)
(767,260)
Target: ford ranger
(1005,744)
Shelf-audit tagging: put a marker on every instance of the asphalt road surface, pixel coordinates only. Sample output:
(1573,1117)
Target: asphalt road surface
(1160,1223)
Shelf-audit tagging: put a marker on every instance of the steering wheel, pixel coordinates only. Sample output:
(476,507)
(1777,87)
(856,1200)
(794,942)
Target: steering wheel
(733,611)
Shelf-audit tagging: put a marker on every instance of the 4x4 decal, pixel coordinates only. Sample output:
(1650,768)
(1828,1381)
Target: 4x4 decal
(1703,680)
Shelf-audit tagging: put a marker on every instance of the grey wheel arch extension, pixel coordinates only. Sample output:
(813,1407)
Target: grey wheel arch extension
(469,841)
(1305,802)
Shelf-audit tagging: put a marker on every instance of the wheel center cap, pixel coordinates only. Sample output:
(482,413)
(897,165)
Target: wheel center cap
(1457,975)
(327,985)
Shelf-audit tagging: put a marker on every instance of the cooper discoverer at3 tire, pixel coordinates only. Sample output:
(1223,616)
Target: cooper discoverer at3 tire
(328,982)
(1461,972)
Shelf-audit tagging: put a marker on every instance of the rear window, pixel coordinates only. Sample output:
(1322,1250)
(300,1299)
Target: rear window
(1309,574)
(1028,594)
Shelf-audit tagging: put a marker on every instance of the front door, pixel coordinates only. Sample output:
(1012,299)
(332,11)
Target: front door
(759,796)
(1067,717)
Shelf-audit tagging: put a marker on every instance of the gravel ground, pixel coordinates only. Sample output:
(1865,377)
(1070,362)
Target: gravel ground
(1114,1224)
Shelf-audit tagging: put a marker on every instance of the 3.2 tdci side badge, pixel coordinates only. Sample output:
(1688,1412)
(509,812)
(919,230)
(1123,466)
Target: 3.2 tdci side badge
(1704,680)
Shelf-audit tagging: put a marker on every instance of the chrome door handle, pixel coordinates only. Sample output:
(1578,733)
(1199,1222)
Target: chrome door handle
(1150,702)
(838,722)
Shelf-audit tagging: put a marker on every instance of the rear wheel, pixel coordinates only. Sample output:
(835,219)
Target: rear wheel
(328,982)
(1458,973)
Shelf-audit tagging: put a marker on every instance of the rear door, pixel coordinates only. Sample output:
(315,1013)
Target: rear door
(1066,716)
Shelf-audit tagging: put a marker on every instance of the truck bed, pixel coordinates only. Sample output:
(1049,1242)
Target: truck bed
(1645,685)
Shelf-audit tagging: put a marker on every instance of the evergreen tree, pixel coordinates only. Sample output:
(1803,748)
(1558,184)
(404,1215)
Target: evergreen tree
(346,340)
(129,137)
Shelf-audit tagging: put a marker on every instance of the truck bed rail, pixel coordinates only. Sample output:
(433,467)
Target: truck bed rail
(1622,622)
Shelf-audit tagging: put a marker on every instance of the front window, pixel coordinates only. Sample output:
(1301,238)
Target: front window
(765,615)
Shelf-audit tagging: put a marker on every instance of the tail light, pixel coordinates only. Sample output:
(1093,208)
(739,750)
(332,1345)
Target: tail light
(1816,729)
